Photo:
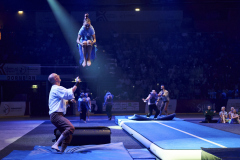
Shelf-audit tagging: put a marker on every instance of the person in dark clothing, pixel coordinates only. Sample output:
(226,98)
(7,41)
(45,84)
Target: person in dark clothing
(83,106)
(108,100)
(152,99)
(208,115)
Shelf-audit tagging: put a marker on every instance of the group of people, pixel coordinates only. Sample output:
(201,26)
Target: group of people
(230,117)
(153,100)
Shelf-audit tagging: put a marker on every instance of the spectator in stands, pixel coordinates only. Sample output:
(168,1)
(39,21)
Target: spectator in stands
(230,115)
(235,117)
(223,115)
(209,113)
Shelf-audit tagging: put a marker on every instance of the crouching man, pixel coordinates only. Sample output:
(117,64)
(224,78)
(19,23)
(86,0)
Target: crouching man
(58,99)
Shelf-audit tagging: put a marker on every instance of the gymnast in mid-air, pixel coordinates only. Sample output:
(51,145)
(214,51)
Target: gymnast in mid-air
(86,40)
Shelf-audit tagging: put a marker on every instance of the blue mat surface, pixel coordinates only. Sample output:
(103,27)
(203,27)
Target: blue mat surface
(114,151)
(175,135)
(119,119)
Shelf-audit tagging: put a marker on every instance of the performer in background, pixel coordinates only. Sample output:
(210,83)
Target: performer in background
(164,96)
(108,101)
(58,98)
(152,99)
(88,105)
(86,40)
(83,106)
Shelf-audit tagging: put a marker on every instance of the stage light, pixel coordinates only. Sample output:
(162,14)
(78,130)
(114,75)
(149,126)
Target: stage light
(67,23)
(157,84)
(20,12)
(137,9)
(34,86)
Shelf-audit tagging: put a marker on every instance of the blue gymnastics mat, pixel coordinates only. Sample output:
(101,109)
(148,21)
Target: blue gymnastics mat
(114,151)
(176,139)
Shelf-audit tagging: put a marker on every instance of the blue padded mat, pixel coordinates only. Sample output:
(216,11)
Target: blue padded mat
(145,118)
(114,151)
(183,135)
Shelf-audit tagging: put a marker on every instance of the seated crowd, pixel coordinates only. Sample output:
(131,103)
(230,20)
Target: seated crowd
(231,117)
(191,65)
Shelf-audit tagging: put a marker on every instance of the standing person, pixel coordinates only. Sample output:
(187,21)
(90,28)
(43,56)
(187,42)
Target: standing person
(164,95)
(58,98)
(108,101)
(88,105)
(152,99)
(83,107)
(223,115)
(86,38)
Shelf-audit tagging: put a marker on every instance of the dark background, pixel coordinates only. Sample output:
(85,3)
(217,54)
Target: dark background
(195,58)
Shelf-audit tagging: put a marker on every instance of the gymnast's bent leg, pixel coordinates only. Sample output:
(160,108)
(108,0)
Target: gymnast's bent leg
(89,50)
(84,50)
(65,127)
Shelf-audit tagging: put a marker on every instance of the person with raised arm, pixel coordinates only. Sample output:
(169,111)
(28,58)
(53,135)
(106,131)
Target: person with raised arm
(59,97)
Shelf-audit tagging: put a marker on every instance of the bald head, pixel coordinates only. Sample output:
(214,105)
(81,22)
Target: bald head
(53,78)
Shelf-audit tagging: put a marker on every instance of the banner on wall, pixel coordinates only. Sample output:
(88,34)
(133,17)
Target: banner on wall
(12,108)
(117,16)
(20,69)
(233,103)
(193,106)
(124,106)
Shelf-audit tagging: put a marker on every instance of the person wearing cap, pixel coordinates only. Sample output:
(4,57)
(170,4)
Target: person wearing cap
(152,99)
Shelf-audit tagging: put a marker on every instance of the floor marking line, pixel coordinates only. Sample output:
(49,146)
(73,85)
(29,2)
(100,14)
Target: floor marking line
(192,135)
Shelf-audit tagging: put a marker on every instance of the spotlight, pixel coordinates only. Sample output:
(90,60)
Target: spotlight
(137,9)
(20,12)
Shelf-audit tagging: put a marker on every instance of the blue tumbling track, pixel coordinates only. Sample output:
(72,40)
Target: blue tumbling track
(178,135)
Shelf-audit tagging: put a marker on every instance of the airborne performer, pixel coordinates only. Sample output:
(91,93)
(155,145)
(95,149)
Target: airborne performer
(86,40)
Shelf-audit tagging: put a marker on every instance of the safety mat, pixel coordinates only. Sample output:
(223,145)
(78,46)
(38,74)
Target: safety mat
(114,151)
